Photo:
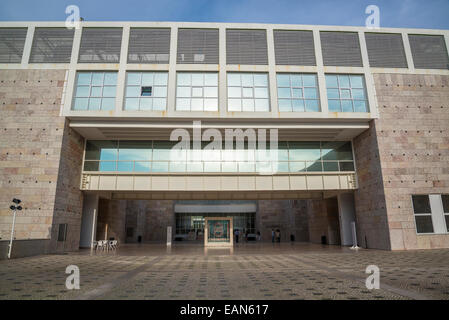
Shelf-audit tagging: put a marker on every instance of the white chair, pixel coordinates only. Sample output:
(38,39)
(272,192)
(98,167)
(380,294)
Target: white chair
(112,244)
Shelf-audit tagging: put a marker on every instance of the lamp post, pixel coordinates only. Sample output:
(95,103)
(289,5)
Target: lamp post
(13,208)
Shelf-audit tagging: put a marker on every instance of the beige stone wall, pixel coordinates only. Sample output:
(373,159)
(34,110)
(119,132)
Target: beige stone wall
(413,154)
(39,157)
(323,220)
(113,214)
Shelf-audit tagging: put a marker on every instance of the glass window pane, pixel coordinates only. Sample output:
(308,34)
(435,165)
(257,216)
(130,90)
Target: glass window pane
(446,217)
(196,105)
(304,151)
(162,150)
(84,78)
(177,166)
(285,105)
(212,166)
(299,166)
(347,166)
(82,91)
(142,166)
(316,166)
(146,103)
(91,165)
(229,167)
(159,104)
(343,81)
(101,150)
(183,92)
(281,166)
(210,92)
(247,166)
(96,91)
(94,103)
(210,104)
(234,79)
(135,150)
(357,82)
(334,106)
(283,80)
(197,79)
(312,106)
(123,166)
(297,93)
(247,80)
(234,92)
(108,166)
(211,79)
(234,105)
(160,78)
(309,80)
(197,92)
(296,80)
(331,81)
(159,166)
(346,106)
(330,166)
(345,94)
(184,79)
(261,92)
(329,150)
(108,104)
(262,105)
(182,104)
(81,104)
(133,91)
(298,105)
(421,204)
(358,94)
(97,78)
(247,92)
(333,93)
(310,93)
(110,78)
(247,105)
(284,93)
(147,78)
(445,200)
(260,80)
(133,78)
(132,104)
(109,91)
(160,92)
(424,224)
(360,106)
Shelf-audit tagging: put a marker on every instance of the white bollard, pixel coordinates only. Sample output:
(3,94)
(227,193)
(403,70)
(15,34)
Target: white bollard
(354,236)
(169,236)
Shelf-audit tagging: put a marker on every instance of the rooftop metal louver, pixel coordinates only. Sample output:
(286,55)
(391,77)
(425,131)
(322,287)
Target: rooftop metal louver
(246,47)
(12,41)
(198,46)
(429,51)
(149,45)
(100,45)
(341,49)
(385,50)
(52,45)
(294,47)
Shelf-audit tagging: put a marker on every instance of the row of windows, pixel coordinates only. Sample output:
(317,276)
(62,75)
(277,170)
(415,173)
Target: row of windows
(159,156)
(243,46)
(431,213)
(195,91)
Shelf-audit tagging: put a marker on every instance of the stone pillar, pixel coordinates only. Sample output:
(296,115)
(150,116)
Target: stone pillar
(346,213)
(89,220)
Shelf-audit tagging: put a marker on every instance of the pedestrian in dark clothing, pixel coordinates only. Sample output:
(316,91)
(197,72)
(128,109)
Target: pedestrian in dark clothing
(272,235)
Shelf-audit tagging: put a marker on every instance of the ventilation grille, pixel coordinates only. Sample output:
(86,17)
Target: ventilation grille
(12,41)
(52,45)
(341,49)
(149,45)
(100,45)
(428,51)
(294,48)
(246,47)
(198,46)
(385,50)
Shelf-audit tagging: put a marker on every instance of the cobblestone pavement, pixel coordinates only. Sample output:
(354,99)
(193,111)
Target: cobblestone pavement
(251,271)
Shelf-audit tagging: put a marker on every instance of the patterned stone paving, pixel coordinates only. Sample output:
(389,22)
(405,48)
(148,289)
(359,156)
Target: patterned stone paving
(300,271)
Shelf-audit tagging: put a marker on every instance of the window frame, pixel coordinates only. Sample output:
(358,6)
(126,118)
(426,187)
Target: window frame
(302,88)
(253,87)
(92,85)
(350,88)
(140,86)
(191,87)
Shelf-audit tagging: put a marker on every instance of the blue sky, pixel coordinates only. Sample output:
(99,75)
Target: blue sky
(433,14)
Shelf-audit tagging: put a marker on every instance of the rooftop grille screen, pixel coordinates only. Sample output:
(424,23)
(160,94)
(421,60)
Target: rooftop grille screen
(246,47)
(12,41)
(294,48)
(100,45)
(149,45)
(52,45)
(428,51)
(341,49)
(385,50)
(198,46)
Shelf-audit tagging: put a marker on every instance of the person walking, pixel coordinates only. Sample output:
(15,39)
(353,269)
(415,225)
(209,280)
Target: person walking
(272,235)
(278,235)
(237,233)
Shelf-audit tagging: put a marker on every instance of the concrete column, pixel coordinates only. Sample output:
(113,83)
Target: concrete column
(89,220)
(346,213)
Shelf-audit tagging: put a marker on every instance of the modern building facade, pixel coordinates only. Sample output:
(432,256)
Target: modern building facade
(361,119)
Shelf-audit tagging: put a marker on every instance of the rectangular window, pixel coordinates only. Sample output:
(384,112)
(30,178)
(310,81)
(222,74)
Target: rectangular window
(197,91)
(146,91)
(445,200)
(248,92)
(346,93)
(95,91)
(298,92)
(423,213)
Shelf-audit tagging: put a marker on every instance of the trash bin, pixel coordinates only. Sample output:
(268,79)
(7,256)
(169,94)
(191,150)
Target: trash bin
(323,240)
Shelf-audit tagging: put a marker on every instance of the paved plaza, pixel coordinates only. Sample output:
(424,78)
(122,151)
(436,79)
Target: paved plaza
(249,271)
